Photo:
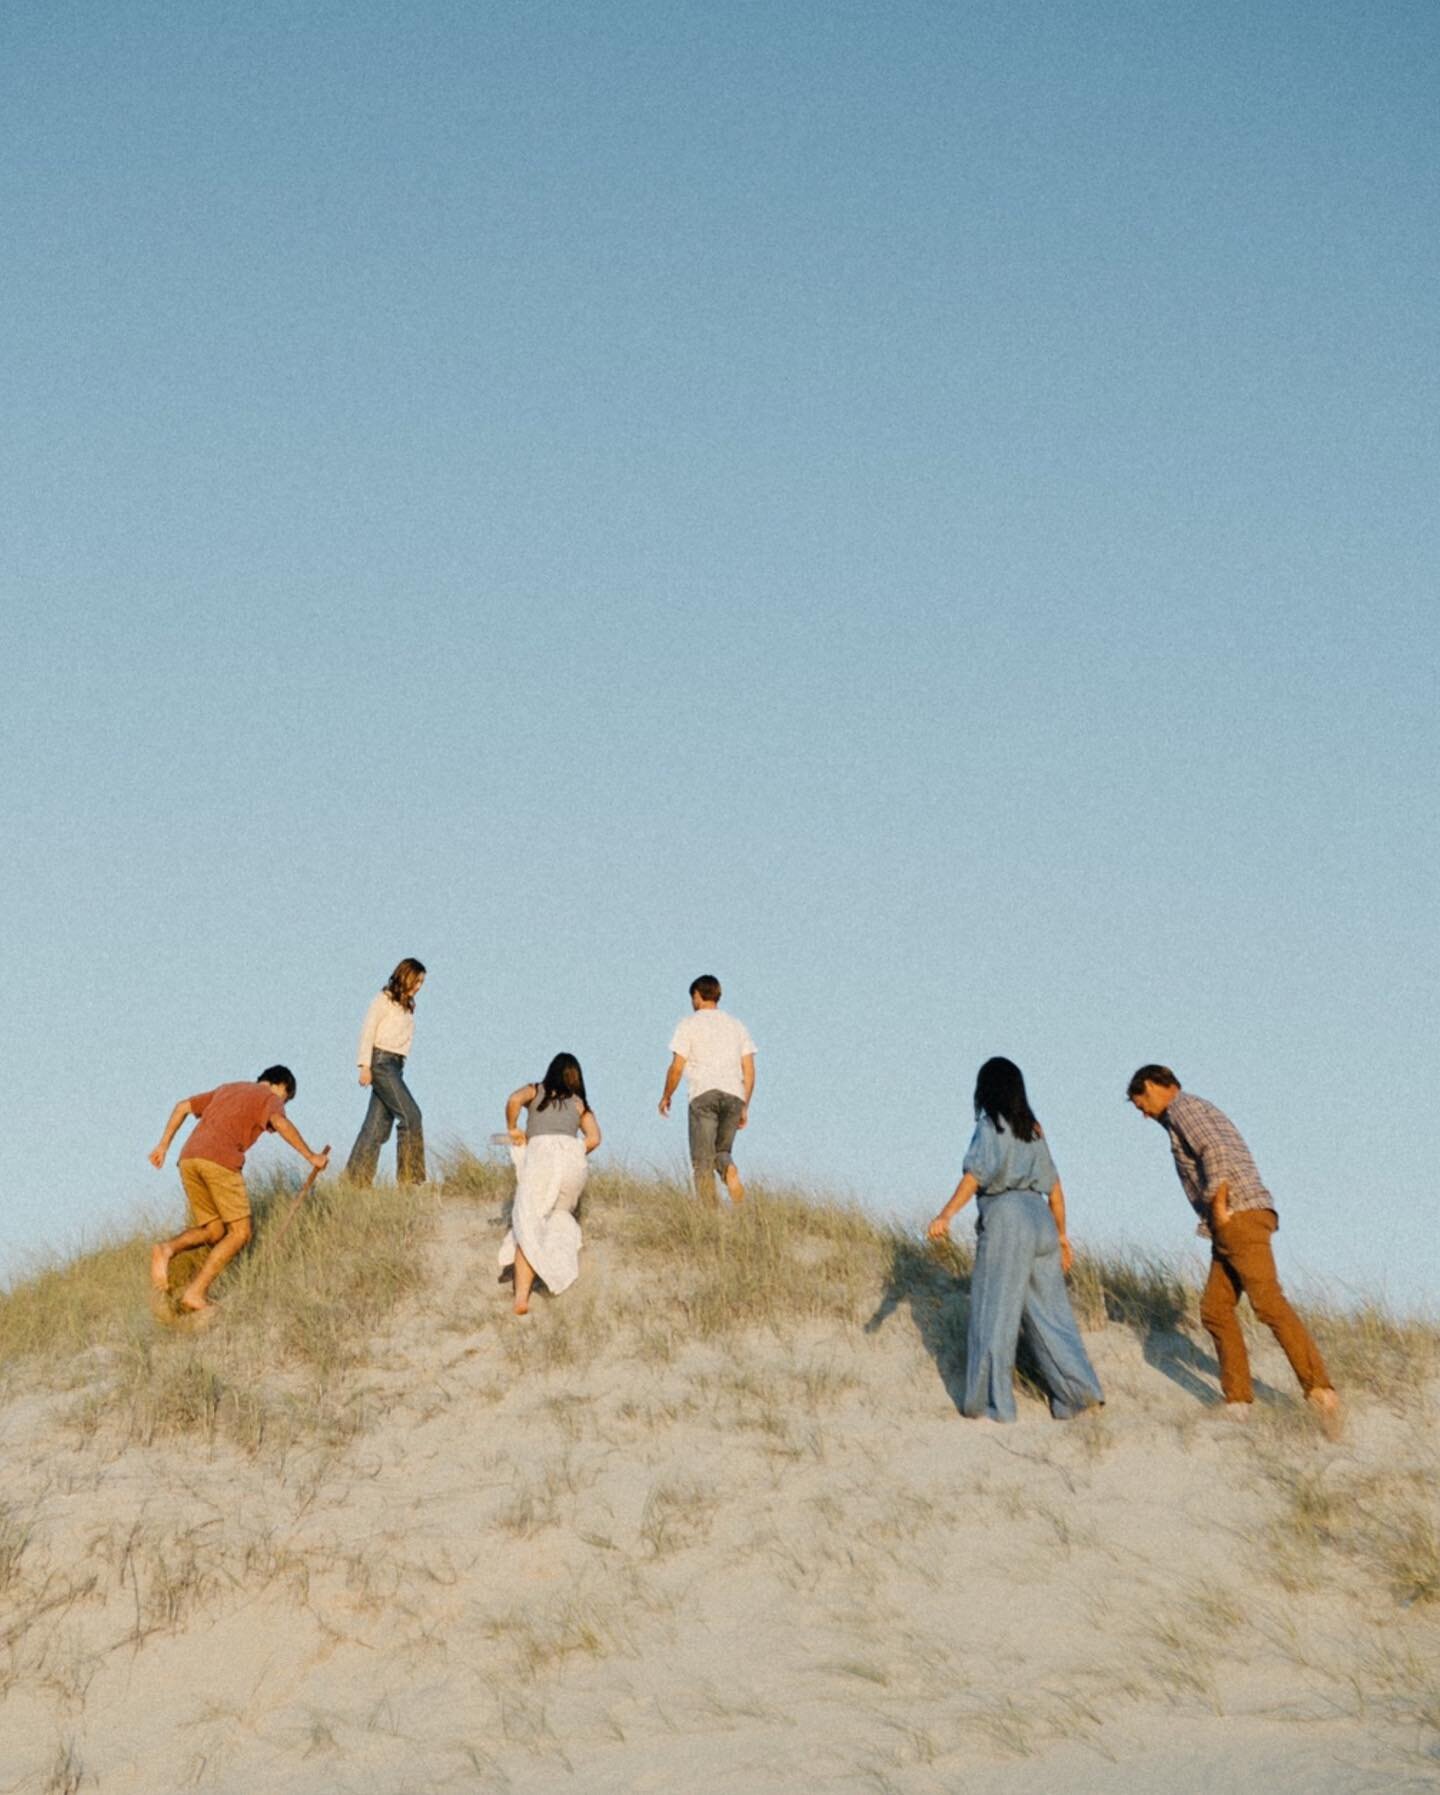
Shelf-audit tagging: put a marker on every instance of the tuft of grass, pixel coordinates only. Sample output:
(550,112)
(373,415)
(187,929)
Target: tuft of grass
(298,1318)
(573,1626)
(1383,1523)
(65,1773)
(1368,1348)
(675,1515)
(777,1261)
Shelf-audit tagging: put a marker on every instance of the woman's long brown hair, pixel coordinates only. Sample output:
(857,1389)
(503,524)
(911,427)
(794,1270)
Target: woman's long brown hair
(401,988)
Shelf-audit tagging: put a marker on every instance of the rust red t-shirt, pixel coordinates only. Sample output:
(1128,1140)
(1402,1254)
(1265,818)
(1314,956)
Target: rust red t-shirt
(232,1119)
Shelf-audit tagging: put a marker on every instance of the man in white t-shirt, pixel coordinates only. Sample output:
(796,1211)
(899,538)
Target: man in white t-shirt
(718,1057)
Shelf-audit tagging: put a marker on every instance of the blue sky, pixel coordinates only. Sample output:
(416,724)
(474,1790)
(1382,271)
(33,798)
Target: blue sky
(928,512)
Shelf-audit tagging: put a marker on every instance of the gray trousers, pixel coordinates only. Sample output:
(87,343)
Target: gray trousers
(714,1119)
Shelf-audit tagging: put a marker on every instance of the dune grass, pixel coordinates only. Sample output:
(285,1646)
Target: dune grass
(300,1313)
(752,1322)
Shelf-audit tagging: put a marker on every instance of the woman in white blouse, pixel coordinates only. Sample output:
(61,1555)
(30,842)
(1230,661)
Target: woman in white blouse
(385,1039)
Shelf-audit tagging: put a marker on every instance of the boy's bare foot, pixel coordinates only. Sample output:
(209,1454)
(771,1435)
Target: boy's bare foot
(1326,1404)
(160,1257)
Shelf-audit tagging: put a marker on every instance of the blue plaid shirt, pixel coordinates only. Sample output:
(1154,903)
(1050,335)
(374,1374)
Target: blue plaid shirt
(1209,1152)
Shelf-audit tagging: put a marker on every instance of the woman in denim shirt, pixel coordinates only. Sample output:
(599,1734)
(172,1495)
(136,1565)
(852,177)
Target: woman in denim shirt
(1021,1257)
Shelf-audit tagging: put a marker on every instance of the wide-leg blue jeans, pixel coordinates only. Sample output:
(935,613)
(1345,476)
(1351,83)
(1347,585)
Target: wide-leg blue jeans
(391,1106)
(1018,1281)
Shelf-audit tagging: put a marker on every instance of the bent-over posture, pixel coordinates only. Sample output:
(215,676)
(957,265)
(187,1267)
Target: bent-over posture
(231,1118)
(551,1155)
(1220,1178)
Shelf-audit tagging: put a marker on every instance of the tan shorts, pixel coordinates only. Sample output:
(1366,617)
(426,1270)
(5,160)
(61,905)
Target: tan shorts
(215,1192)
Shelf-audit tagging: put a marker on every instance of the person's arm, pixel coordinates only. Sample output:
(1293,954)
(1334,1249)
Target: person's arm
(368,1030)
(672,1078)
(162,1147)
(1220,1203)
(517,1100)
(747,1074)
(1057,1209)
(964,1190)
(290,1134)
(590,1131)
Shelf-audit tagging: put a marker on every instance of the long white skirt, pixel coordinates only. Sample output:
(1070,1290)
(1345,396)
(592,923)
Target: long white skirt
(549,1177)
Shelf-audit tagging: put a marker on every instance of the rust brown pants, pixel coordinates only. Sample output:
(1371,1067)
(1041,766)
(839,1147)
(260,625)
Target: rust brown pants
(1242,1264)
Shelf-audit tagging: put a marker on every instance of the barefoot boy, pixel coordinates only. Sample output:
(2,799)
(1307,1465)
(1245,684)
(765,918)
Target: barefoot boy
(232,1118)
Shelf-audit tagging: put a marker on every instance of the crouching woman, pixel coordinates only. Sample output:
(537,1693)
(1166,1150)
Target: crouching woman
(551,1155)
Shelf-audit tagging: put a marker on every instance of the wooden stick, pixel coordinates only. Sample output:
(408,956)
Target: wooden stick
(301,1195)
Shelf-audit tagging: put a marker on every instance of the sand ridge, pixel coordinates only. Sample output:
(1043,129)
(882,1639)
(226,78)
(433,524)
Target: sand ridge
(625,1555)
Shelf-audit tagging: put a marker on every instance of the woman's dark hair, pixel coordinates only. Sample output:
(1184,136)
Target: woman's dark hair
(1000,1092)
(563,1078)
(404,982)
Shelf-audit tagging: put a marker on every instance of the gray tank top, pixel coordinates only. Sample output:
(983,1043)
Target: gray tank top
(555,1118)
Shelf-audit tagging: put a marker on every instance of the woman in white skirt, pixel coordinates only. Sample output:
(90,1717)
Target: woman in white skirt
(550,1154)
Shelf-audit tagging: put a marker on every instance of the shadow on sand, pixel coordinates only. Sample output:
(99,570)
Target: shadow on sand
(934,1283)
(938,1297)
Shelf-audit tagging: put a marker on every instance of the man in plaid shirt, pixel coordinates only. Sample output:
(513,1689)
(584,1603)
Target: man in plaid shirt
(1237,1213)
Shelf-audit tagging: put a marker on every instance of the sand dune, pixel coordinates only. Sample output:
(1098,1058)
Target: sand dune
(637,1544)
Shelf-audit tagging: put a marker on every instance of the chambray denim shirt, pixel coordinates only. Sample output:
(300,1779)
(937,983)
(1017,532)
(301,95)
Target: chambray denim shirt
(997,1161)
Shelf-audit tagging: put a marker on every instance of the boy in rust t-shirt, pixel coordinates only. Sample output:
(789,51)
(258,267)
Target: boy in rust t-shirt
(230,1119)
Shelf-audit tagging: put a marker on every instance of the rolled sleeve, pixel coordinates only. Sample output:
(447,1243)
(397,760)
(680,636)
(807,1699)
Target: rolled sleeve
(983,1155)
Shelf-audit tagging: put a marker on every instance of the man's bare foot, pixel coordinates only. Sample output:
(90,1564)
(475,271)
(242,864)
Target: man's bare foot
(1326,1404)
(160,1257)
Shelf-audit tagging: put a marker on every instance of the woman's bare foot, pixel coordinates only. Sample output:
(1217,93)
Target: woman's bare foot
(160,1257)
(522,1308)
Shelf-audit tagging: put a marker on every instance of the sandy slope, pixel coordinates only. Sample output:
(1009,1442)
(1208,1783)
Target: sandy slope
(769,1565)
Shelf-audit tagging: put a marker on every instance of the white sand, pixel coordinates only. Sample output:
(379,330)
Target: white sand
(773,1565)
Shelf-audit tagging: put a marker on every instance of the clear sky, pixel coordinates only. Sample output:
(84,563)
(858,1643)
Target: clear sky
(927,511)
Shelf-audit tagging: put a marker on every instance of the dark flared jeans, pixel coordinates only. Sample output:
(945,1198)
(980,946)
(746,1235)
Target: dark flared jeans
(391,1106)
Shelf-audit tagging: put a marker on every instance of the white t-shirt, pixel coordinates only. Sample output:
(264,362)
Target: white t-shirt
(712,1044)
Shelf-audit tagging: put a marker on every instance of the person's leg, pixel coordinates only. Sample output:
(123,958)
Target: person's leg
(704,1121)
(409,1134)
(1003,1250)
(229,1244)
(1245,1243)
(232,1204)
(524,1281)
(1051,1331)
(727,1125)
(364,1158)
(205,1227)
(1217,1314)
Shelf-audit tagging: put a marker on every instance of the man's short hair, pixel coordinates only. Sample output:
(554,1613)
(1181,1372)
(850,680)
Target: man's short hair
(706,988)
(1151,1075)
(279,1075)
